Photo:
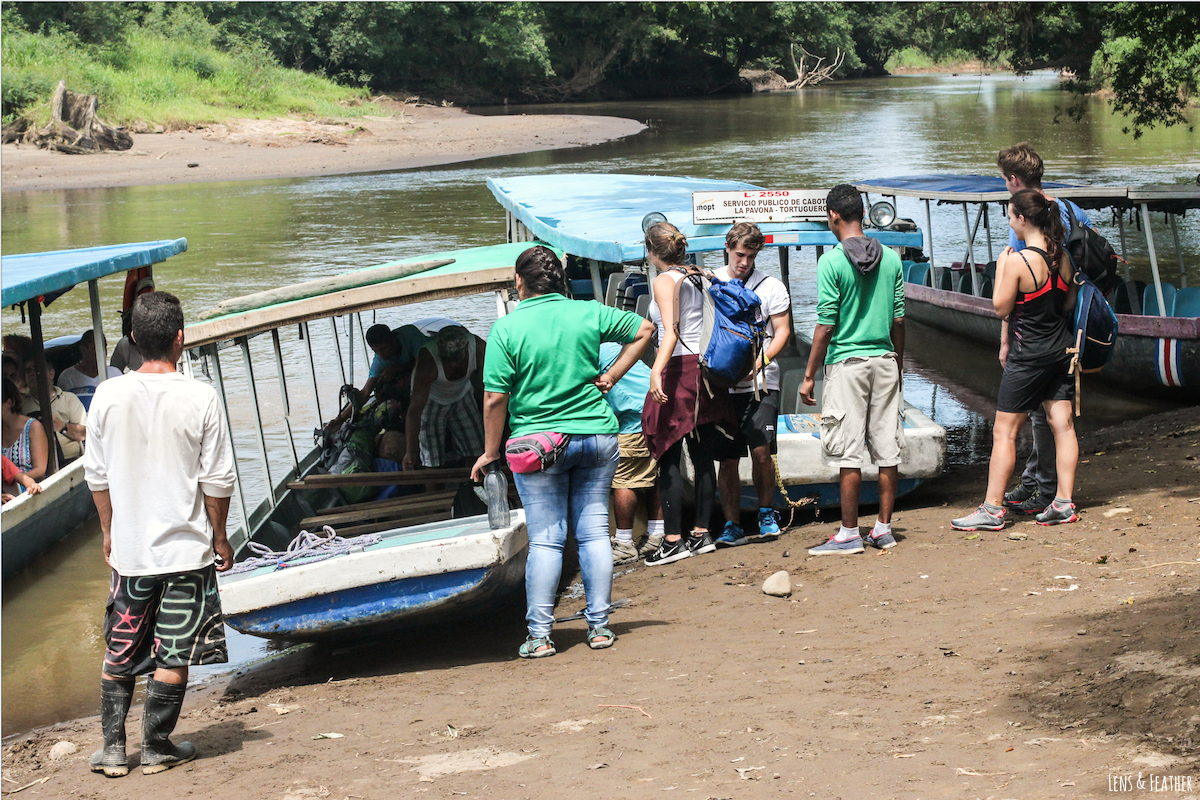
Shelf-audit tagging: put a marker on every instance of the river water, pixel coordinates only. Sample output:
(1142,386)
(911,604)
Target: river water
(245,237)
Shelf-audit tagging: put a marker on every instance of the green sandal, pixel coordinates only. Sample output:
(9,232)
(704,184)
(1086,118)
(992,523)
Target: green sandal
(607,641)
(530,648)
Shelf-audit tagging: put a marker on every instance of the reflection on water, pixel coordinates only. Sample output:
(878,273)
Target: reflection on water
(245,237)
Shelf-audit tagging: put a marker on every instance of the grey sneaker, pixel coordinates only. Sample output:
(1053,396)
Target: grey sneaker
(1019,494)
(885,542)
(980,520)
(1057,515)
(623,552)
(650,545)
(1034,504)
(835,548)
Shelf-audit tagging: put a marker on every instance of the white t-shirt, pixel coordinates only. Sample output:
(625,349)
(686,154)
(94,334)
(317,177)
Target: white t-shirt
(775,300)
(158,444)
(690,316)
(82,386)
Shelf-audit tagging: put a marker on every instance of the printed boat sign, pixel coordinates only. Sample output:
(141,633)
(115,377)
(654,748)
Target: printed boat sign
(758,205)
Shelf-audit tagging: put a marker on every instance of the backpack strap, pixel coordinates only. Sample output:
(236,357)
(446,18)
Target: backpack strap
(1031,272)
(688,276)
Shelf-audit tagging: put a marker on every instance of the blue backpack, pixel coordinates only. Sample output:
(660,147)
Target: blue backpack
(731,331)
(1095,326)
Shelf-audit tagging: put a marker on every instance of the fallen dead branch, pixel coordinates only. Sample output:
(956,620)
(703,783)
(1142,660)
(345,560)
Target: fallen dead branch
(635,708)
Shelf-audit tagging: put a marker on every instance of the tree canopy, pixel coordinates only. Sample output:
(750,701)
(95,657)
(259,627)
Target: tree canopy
(1147,54)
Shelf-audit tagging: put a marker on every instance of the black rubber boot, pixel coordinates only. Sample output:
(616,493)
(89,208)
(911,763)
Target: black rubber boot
(115,697)
(163,701)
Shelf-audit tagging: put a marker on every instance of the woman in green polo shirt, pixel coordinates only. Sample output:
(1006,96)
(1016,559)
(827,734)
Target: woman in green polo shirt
(540,374)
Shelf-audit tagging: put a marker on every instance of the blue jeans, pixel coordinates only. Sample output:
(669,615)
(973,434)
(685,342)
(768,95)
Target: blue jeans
(572,494)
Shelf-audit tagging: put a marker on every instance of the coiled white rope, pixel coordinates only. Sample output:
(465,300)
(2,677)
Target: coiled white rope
(307,548)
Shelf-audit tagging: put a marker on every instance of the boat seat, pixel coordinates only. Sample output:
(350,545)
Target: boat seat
(1127,297)
(581,289)
(1187,302)
(990,270)
(918,273)
(633,294)
(985,287)
(643,306)
(964,283)
(946,280)
(616,283)
(1150,300)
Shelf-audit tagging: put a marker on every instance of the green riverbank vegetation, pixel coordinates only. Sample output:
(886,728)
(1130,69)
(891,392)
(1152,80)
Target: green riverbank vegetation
(199,61)
(173,70)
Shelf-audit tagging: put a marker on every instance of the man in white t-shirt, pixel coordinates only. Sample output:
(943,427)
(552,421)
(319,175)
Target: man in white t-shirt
(82,378)
(160,467)
(757,416)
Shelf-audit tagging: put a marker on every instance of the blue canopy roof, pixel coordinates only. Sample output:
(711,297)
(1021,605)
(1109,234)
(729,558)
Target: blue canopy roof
(986,188)
(34,274)
(599,216)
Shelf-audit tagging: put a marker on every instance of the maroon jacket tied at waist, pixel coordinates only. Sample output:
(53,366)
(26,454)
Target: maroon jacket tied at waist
(689,404)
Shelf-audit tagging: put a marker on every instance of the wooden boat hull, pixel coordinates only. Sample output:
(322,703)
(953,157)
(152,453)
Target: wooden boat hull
(1158,356)
(414,576)
(32,524)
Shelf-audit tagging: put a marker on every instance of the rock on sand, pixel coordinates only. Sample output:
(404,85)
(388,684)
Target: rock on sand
(778,585)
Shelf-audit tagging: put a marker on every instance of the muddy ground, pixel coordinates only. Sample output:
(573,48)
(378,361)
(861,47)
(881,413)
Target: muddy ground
(405,135)
(1064,664)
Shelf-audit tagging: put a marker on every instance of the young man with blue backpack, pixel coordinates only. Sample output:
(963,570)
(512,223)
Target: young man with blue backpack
(756,398)
(859,342)
(1022,168)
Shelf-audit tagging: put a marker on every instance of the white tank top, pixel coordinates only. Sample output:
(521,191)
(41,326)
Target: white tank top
(445,392)
(690,317)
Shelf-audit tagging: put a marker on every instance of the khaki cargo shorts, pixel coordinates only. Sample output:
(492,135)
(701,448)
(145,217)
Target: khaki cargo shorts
(860,412)
(636,468)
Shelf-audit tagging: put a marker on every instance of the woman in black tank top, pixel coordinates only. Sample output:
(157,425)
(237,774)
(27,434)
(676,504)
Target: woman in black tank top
(1035,295)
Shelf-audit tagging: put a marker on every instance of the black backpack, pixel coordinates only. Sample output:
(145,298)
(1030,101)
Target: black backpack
(1091,253)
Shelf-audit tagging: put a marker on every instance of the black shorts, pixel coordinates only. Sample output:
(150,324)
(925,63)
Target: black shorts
(756,423)
(163,621)
(1025,387)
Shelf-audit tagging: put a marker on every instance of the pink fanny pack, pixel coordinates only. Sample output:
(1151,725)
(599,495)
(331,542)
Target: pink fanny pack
(536,451)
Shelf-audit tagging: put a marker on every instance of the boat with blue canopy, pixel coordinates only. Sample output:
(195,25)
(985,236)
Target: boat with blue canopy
(596,219)
(1157,350)
(411,557)
(33,524)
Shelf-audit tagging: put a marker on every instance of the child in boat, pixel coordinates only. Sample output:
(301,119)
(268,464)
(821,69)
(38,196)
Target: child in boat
(1035,294)
(13,477)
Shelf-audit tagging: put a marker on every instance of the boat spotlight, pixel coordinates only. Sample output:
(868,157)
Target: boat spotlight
(652,219)
(883,214)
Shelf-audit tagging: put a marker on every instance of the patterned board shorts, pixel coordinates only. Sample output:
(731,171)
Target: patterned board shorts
(462,419)
(164,621)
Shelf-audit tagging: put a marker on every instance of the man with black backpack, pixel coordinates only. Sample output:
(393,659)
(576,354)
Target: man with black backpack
(1021,167)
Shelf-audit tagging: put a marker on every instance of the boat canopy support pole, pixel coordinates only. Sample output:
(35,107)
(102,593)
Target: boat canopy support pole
(970,265)
(1124,250)
(929,232)
(337,344)
(219,379)
(287,405)
(350,344)
(1162,306)
(987,227)
(362,334)
(43,386)
(312,370)
(594,268)
(786,273)
(98,330)
(244,344)
(1178,253)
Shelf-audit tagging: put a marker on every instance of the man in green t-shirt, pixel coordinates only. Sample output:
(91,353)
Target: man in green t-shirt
(859,339)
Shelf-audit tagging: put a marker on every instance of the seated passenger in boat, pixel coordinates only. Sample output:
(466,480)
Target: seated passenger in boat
(443,399)
(395,352)
(15,481)
(82,379)
(24,439)
(69,416)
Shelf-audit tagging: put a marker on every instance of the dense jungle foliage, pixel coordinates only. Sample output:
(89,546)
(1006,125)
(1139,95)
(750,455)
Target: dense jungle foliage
(232,52)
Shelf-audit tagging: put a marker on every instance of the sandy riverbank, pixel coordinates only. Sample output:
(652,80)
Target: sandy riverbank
(413,136)
(956,665)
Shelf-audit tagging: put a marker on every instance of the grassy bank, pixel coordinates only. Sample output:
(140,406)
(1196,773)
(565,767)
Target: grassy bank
(175,75)
(912,59)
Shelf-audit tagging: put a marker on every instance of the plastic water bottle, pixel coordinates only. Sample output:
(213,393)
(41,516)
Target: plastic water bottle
(495,486)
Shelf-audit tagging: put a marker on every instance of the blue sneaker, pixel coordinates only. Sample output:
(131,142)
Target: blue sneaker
(885,542)
(835,548)
(732,536)
(768,525)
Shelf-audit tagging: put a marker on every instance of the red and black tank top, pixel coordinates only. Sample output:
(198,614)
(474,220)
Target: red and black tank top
(1039,330)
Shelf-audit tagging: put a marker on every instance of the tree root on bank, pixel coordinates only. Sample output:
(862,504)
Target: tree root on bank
(74,127)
